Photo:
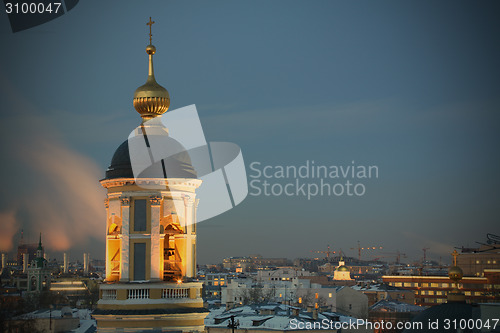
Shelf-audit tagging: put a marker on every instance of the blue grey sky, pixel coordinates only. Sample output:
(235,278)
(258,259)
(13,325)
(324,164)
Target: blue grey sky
(409,86)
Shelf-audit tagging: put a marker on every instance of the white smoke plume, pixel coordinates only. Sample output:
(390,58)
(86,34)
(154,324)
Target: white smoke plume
(8,228)
(54,189)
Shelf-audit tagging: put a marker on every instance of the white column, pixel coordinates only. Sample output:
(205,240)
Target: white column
(195,257)
(155,201)
(125,242)
(85,263)
(4,260)
(107,263)
(189,205)
(195,209)
(66,262)
(25,262)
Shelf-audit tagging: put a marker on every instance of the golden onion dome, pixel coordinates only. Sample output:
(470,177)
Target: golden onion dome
(151,99)
(455,273)
(343,269)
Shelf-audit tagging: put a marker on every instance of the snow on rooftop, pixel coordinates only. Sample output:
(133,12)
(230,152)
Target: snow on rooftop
(342,318)
(86,326)
(248,318)
(396,306)
(269,307)
(376,287)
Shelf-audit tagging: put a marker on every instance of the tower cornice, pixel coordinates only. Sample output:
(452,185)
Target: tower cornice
(150,183)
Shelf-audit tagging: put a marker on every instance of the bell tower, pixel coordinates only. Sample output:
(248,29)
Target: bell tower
(150,227)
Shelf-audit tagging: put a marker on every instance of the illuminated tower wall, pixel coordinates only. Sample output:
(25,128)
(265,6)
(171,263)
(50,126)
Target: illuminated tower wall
(147,238)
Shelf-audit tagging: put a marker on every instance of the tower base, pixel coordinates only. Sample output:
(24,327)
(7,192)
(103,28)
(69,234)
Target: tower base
(161,306)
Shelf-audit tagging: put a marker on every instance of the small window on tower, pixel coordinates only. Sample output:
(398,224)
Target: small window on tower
(140,215)
(139,261)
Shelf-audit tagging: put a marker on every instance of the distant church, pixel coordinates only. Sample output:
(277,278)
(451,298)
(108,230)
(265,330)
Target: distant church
(39,274)
(342,273)
(150,232)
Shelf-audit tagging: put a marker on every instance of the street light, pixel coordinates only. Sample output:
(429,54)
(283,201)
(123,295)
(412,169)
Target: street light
(50,316)
(232,324)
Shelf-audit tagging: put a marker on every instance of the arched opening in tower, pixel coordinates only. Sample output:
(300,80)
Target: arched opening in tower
(172,260)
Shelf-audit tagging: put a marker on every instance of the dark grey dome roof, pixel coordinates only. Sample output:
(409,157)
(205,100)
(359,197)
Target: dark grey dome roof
(120,163)
(175,166)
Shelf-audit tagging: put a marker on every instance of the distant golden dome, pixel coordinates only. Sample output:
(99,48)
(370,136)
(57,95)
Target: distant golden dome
(151,99)
(343,269)
(455,273)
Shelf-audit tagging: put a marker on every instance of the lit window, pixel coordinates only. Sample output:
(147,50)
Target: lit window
(398,284)
(444,285)
(316,305)
(434,285)
(281,295)
(330,295)
(431,292)
(477,261)
(300,300)
(316,295)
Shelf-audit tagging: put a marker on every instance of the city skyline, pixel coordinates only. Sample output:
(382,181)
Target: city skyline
(411,88)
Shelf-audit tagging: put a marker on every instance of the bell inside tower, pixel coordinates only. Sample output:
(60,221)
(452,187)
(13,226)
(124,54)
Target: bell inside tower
(172,260)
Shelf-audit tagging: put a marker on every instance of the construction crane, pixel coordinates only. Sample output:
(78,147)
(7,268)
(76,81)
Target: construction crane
(397,254)
(359,248)
(327,252)
(425,253)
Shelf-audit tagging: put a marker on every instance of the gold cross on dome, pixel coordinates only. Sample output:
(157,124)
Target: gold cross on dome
(150,23)
(455,255)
